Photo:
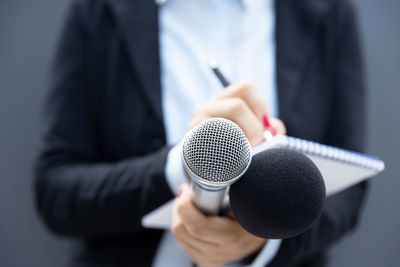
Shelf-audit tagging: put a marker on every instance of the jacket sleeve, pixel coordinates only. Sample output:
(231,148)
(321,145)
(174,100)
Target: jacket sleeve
(342,210)
(76,193)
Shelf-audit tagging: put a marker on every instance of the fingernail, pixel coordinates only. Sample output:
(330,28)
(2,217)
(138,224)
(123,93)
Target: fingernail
(266,121)
(180,190)
(268,126)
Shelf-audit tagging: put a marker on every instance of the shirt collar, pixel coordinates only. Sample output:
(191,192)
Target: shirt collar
(160,2)
(245,3)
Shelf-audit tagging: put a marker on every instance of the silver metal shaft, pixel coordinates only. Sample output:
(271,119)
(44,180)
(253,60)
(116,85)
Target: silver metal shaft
(206,200)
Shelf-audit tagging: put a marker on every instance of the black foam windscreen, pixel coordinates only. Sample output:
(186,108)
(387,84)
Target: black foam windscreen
(280,196)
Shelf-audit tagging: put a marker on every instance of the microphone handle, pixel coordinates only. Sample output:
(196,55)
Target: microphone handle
(206,200)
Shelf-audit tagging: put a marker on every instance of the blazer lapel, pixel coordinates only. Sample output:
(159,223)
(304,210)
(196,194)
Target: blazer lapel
(296,30)
(138,25)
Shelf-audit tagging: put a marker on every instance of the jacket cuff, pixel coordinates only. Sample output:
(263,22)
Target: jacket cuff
(268,252)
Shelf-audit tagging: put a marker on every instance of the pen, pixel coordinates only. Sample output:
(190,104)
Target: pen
(214,67)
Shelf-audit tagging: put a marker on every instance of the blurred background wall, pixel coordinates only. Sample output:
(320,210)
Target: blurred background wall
(28,32)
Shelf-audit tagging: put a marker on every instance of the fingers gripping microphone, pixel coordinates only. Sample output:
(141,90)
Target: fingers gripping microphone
(280,196)
(215,154)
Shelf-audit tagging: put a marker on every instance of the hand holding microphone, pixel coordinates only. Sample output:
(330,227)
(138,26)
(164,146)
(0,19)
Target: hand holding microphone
(210,240)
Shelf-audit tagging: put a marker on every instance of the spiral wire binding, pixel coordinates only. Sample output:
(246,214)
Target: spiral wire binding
(333,153)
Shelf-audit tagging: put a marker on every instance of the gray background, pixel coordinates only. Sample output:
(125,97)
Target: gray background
(28,31)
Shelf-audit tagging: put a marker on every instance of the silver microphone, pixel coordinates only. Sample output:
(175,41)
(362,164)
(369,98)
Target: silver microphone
(215,154)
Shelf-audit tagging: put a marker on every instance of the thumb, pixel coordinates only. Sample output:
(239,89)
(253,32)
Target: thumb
(184,194)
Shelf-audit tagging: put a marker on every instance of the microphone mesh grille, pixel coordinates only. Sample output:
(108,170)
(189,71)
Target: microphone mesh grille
(217,151)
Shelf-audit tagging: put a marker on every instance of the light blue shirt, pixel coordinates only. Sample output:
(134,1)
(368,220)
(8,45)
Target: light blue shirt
(239,35)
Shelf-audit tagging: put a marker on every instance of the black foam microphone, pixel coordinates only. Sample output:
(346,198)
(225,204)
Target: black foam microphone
(281,194)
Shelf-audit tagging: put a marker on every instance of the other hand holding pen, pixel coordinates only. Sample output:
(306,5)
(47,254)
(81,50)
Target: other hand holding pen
(242,104)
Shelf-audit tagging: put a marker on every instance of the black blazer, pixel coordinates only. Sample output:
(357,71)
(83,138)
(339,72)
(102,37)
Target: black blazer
(101,167)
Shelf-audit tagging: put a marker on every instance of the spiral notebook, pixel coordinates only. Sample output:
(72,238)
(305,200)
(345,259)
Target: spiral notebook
(340,168)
